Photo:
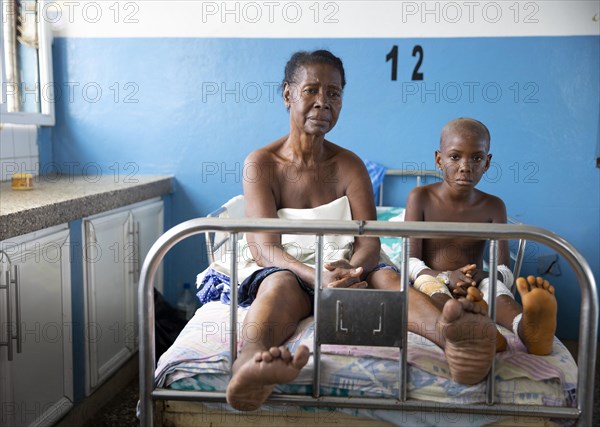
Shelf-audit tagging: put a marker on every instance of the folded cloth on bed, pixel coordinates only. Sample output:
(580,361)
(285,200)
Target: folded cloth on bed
(214,286)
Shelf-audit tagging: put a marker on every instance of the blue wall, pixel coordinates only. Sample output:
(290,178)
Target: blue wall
(195,107)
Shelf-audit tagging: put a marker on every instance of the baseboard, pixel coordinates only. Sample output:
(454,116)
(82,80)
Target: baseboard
(88,408)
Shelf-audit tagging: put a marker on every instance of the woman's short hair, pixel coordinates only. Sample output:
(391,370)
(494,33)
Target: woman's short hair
(302,58)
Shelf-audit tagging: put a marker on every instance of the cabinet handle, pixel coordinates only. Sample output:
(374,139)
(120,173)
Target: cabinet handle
(138,251)
(18,308)
(132,261)
(90,231)
(8,342)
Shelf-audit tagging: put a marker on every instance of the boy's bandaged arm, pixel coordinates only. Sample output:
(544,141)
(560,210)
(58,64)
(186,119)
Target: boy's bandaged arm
(416,266)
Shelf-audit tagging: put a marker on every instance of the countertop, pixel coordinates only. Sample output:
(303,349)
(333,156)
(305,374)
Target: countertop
(62,198)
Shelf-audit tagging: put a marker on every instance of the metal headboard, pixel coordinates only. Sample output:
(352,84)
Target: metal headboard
(418,174)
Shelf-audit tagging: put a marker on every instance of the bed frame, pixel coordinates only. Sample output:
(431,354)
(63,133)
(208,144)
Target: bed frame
(492,232)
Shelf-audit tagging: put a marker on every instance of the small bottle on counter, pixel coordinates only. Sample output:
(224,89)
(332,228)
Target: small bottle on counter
(22,181)
(187,302)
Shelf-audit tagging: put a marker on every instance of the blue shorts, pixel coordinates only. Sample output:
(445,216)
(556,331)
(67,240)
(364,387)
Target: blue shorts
(249,287)
(383,266)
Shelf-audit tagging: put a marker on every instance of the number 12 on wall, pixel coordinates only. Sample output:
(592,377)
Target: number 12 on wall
(393,56)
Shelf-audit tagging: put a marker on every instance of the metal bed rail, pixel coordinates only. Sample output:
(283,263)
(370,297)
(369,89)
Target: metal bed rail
(418,174)
(588,326)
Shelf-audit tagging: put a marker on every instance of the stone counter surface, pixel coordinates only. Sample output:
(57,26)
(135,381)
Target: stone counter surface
(59,199)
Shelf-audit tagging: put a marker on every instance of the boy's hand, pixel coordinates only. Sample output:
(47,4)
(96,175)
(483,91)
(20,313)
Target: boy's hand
(462,279)
(342,274)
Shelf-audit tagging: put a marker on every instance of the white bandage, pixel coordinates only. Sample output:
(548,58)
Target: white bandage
(415,266)
(484,287)
(507,276)
(430,285)
(515,324)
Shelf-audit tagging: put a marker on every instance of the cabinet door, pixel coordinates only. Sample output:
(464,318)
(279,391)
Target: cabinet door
(109,292)
(115,245)
(148,225)
(38,387)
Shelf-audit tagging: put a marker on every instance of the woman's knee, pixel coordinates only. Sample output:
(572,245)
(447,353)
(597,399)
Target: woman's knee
(284,287)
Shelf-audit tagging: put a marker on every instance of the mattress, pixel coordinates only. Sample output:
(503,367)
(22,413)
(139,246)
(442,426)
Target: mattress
(200,360)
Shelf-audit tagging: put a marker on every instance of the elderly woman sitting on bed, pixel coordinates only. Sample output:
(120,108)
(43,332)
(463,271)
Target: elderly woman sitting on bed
(301,172)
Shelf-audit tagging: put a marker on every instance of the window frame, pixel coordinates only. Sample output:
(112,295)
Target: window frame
(46,115)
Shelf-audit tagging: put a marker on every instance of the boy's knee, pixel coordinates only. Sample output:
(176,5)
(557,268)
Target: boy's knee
(385,278)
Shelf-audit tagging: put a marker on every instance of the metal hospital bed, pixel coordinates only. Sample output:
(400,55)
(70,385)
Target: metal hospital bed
(333,321)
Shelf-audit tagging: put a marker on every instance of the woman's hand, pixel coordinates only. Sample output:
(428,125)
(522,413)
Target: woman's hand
(461,279)
(342,274)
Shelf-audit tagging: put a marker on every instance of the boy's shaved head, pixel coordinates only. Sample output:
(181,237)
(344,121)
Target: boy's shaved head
(466,125)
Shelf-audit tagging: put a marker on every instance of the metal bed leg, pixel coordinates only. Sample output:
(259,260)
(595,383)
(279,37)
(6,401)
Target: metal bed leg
(518,262)
(317,346)
(403,374)
(233,239)
(493,277)
(146,348)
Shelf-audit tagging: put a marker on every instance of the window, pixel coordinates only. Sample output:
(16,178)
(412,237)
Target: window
(26,63)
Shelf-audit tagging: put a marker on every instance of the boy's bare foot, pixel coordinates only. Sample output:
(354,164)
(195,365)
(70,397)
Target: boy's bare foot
(254,378)
(475,295)
(538,324)
(470,340)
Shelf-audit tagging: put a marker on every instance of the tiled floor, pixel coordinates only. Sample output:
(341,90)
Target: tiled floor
(120,411)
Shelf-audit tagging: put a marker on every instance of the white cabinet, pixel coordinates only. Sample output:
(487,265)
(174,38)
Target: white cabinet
(115,244)
(36,378)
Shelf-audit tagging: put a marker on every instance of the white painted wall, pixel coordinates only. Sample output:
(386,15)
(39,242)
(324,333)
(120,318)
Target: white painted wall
(332,19)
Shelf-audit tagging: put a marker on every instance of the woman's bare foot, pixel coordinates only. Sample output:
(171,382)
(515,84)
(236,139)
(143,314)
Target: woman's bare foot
(254,377)
(475,295)
(538,324)
(470,340)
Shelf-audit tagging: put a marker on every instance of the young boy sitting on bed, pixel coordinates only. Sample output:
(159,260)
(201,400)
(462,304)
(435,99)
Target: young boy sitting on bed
(445,267)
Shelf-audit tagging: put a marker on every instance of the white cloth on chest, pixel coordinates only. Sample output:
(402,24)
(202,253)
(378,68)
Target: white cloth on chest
(303,246)
(300,246)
